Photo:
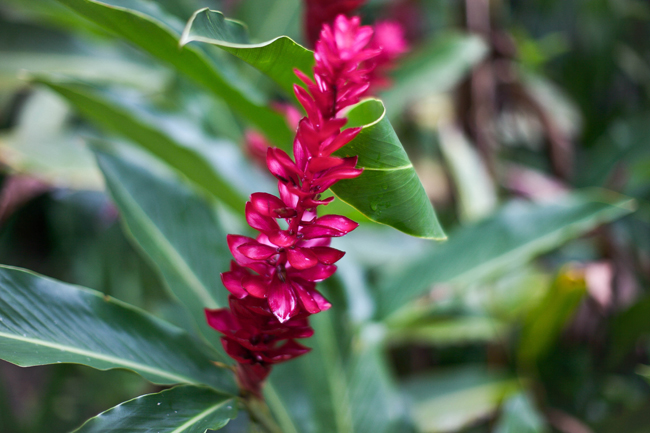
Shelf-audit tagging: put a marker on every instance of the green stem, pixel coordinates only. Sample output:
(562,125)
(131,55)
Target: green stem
(260,414)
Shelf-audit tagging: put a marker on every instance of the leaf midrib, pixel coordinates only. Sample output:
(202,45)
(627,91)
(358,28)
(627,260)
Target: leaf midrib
(176,378)
(200,416)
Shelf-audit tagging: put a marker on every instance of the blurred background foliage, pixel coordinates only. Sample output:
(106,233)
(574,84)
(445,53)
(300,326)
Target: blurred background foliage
(536,317)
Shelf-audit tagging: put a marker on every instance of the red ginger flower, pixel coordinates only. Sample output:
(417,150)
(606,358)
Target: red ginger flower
(389,38)
(320,12)
(273,277)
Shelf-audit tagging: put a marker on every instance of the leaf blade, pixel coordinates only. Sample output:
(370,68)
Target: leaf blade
(514,234)
(107,112)
(176,229)
(276,58)
(186,409)
(30,304)
(146,26)
(388,191)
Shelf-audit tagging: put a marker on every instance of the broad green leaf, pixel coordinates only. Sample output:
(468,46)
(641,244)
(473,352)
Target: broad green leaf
(44,321)
(452,399)
(176,229)
(374,401)
(512,236)
(183,409)
(43,146)
(325,377)
(436,67)
(449,331)
(628,327)
(388,191)
(148,27)
(276,58)
(544,324)
(519,415)
(153,134)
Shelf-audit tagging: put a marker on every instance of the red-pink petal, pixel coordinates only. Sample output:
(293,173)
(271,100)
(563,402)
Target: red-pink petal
(282,238)
(265,203)
(221,320)
(255,285)
(258,221)
(328,255)
(337,222)
(317,231)
(301,258)
(317,273)
(233,282)
(282,300)
(306,299)
(257,251)
(323,163)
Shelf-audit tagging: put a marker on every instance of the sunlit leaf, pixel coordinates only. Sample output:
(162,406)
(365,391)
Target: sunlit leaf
(389,190)
(515,234)
(276,58)
(158,135)
(187,409)
(455,398)
(544,323)
(147,26)
(519,415)
(44,321)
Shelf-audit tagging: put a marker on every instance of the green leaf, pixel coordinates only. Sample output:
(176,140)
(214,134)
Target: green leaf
(544,324)
(436,67)
(176,229)
(148,27)
(389,191)
(374,400)
(519,415)
(187,409)
(452,399)
(515,234)
(44,321)
(276,58)
(449,331)
(156,135)
(628,327)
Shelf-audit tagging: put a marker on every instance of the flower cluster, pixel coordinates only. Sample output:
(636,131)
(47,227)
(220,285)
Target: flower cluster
(272,279)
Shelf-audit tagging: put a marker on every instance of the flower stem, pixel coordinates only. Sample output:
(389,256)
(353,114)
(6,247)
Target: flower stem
(261,415)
